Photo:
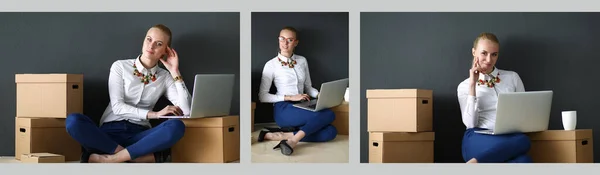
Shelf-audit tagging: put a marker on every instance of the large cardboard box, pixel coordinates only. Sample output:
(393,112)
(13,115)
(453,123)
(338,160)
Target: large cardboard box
(208,140)
(400,110)
(341,121)
(44,135)
(397,147)
(561,146)
(49,95)
(42,158)
(252,114)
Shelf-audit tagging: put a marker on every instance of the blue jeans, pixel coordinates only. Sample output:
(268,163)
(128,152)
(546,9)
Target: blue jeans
(137,139)
(507,148)
(316,125)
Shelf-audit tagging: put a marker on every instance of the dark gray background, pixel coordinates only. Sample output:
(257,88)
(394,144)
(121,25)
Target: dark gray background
(550,51)
(323,41)
(88,43)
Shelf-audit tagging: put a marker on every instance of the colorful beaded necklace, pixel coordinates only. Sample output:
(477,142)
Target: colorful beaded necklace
(289,64)
(144,78)
(491,82)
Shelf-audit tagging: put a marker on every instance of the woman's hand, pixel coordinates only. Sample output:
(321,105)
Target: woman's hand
(298,97)
(168,110)
(474,72)
(172,62)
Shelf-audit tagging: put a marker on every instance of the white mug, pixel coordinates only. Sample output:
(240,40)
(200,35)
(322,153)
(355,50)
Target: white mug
(347,95)
(569,120)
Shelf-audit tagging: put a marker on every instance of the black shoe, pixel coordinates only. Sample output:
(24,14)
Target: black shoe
(285,148)
(85,157)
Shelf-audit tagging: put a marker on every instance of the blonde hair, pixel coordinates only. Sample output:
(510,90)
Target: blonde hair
(165,30)
(487,36)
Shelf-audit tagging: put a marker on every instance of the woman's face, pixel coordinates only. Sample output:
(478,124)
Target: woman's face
(486,54)
(155,44)
(287,41)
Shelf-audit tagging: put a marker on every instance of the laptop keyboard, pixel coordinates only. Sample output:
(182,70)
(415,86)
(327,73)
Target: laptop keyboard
(312,106)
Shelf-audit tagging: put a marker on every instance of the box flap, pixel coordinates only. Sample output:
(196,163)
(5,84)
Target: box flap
(344,107)
(42,155)
(212,122)
(561,135)
(27,122)
(401,136)
(399,93)
(48,78)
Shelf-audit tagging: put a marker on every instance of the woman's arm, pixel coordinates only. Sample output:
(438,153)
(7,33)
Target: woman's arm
(266,81)
(117,94)
(310,90)
(178,94)
(468,104)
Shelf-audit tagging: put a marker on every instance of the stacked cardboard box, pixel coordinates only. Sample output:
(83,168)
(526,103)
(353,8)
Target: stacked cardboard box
(208,140)
(43,103)
(562,146)
(400,125)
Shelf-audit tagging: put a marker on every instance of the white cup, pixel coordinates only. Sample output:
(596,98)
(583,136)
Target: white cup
(347,95)
(569,120)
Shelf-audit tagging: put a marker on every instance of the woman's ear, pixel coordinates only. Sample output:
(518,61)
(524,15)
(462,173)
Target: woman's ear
(473,51)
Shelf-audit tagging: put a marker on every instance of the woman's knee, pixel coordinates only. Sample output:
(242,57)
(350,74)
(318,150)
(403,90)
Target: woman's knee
(327,115)
(524,141)
(73,120)
(176,127)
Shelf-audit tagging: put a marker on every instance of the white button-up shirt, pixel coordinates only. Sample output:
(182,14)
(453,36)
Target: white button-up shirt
(289,81)
(480,111)
(131,99)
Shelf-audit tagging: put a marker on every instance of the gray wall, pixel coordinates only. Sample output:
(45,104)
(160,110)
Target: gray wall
(323,41)
(88,43)
(555,51)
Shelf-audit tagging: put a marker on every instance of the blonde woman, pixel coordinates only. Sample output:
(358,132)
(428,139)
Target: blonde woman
(477,96)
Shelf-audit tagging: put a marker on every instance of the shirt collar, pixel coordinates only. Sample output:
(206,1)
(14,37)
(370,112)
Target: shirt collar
(485,76)
(141,67)
(286,59)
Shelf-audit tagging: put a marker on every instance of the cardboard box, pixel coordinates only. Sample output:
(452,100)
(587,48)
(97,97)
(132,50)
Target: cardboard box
(341,121)
(400,110)
(401,147)
(252,114)
(42,158)
(44,135)
(208,140)
(49,95)
(561,146)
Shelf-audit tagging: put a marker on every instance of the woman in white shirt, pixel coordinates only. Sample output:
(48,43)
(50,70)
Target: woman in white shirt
(477,96)
(290,74)
(135,85)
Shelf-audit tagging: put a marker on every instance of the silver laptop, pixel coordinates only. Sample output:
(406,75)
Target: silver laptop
(211,97)
(331,95)
(522,112)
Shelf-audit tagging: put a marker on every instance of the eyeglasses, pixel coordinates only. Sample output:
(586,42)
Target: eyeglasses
(289,40)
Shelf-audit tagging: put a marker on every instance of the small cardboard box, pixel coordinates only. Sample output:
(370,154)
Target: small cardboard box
(397,147)
(208,140)
(561,146)
(44,135)
(342,118)
(252,114)
(400,110)
(49,95)
(42,158)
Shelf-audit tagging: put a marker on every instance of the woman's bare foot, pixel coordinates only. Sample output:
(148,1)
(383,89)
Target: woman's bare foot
(276,136)
(97,158)
(473,160)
